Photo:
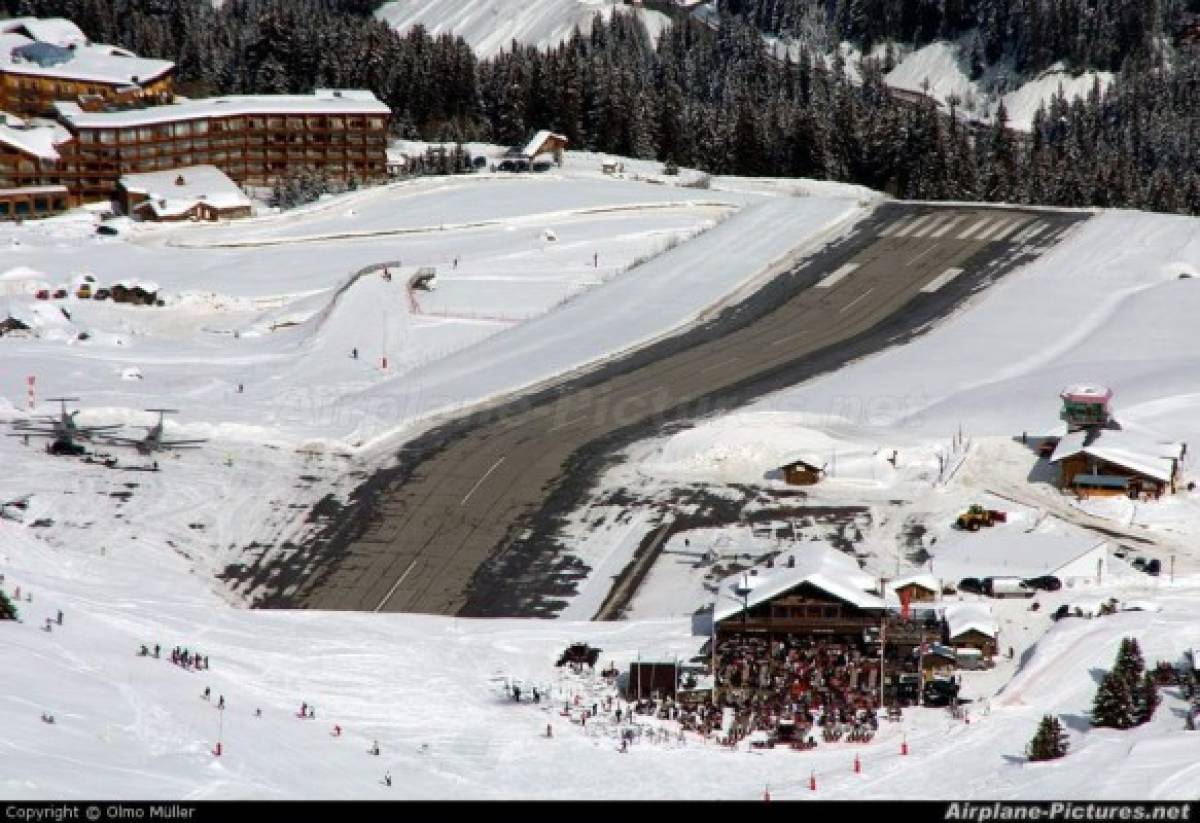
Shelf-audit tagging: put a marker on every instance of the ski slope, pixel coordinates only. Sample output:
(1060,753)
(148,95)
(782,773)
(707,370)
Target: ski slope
(491,26)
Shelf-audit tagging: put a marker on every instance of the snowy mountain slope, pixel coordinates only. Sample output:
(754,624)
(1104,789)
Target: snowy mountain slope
(491,26)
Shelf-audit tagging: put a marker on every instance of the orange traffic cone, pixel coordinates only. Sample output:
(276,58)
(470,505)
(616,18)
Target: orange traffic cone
(812,781)
(857,765)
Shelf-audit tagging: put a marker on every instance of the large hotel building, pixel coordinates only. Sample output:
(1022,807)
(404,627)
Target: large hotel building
(93,114)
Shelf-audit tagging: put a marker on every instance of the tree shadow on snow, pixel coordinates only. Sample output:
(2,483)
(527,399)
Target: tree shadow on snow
(1076,722)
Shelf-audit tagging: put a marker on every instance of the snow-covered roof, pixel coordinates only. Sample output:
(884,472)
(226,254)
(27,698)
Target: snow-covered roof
(99,63)
(324,101)
(173,193)
(1006,551)
(823,567)
(968,616)
(33,190)
(41,140)
(54,30)
(534,146)
(1135,452)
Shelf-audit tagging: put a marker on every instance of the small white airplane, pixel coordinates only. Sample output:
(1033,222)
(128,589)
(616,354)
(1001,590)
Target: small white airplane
(153,441)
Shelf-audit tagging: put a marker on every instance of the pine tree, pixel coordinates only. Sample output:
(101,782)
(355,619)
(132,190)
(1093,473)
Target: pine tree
(1050,742)
(1145,699)
(7,610)
(1130,664)
(1113,706)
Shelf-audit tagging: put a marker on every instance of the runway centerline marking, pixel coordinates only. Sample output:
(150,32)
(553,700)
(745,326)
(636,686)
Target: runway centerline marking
(568,423)
(941,280)
(479,482)
(395,586)
(855,301)
(838,276)
(719,365)
(922,254)
(783,340)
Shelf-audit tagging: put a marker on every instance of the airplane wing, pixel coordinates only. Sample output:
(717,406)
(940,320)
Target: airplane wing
(107,428)
(124,441)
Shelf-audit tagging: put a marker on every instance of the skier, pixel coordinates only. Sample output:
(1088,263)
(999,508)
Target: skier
(375,748)
(312,713)
(596,260)
(258,712)
(157,648)
(60,617)
(221,702)
(207,693)
(206,662)
(304,710)
(387,779)
(241,388)
(337,731)
(354,353)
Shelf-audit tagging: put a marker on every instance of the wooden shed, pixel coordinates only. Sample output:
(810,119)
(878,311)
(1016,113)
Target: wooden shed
(801,473)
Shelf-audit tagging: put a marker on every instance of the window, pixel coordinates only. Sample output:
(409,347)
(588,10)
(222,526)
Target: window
(4,209)
(145,134)
(295,124)
(183,129)
(129,136)
(200,127)
(377,123)
(108,136)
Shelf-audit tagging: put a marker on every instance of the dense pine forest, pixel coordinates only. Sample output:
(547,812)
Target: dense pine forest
(714,99)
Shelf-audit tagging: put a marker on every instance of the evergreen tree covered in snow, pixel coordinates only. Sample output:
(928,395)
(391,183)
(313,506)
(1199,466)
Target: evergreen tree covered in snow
(1113,705)
(1049,742)
(1130,663)
(8,611)
(1145,699)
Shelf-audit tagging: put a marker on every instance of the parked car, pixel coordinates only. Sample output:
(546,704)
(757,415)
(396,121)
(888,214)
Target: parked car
(1154,567)
(60,294)
(1047,583)
(971,584)
(102,294)
(1139,563)
(1063,611)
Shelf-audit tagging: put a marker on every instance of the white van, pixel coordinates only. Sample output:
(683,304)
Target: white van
(1007,587)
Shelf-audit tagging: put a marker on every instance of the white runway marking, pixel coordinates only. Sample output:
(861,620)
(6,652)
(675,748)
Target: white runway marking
(938,222)
(895,226)
(855,301)
(911,227)
(966,235)
(783,340)
(1030,232)
(944,230)
(479,482)
(569,423)
(941,280)
(837,276)
(987,234)
(1020,221)
(392,590)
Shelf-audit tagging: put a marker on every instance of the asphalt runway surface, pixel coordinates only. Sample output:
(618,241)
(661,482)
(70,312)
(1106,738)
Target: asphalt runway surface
(465,523)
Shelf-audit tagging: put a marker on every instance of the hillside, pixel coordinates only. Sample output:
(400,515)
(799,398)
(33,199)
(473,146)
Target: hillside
(490,26)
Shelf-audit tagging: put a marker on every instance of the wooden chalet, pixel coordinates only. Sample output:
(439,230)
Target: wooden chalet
(801,473)
(1114,463)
